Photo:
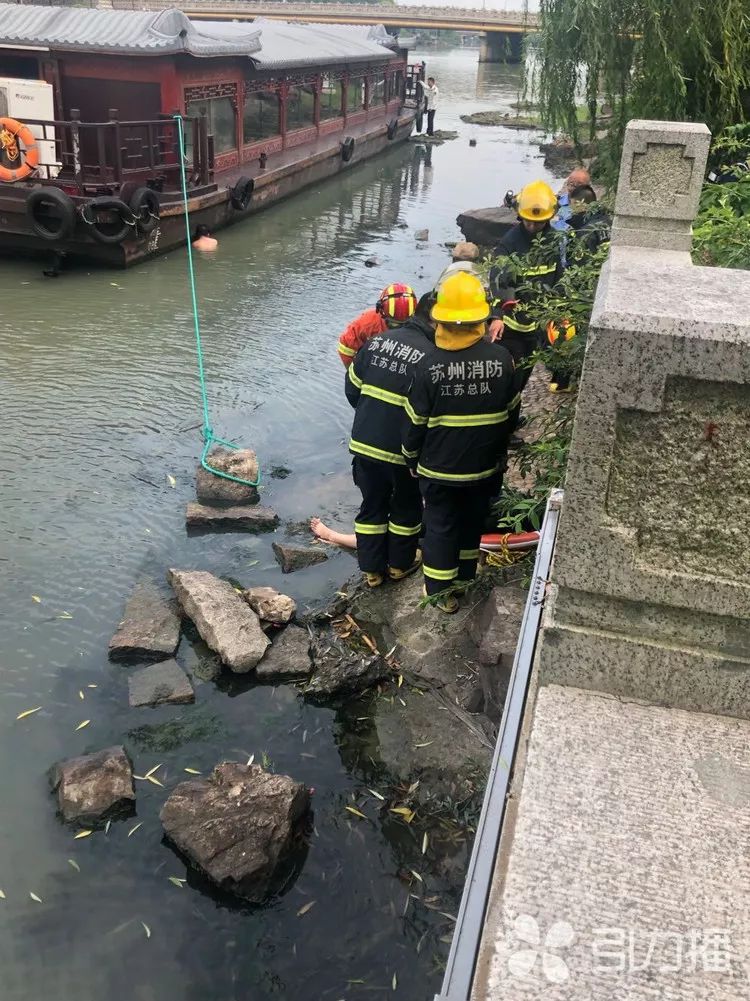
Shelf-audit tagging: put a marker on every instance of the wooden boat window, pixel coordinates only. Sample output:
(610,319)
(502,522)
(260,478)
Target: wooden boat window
(355,94)
(397,86)
(377,91)
(331,98)
(300,107)
(222,121)
(261,115)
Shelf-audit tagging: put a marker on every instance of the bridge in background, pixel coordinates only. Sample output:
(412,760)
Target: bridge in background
(503,31)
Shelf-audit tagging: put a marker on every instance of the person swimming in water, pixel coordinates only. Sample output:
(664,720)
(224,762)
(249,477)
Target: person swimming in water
(203,239)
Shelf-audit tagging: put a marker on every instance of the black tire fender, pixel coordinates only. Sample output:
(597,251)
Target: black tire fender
(64,208)
(347,149)
(241,193)
(392,128)
(107,203)
(144,204)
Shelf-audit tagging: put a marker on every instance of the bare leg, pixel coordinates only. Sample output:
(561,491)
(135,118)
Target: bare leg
(326,534)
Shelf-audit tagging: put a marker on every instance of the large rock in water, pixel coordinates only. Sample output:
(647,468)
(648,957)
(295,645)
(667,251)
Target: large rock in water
(486,227)
(226,622)
(160,683)
(270,606)
(291,558)
(251,517)
(288,658)
(218,491)
(236,825)
(339,670)
(94,785)
(465,251)
(150,628)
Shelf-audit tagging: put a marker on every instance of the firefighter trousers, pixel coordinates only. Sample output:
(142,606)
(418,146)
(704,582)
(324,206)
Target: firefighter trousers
(389,521)
(454,517)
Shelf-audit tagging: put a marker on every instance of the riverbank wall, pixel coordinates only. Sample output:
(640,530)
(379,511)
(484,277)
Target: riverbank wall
(621,869)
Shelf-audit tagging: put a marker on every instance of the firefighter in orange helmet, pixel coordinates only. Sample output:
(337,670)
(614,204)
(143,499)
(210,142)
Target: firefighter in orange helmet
(395,305)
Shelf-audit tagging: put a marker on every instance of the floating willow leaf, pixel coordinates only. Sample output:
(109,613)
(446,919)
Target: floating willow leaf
(82,724)
(177,881)
(403,811)
(425,744)
(425,842)
(81,695)
(191,771)
(107,826)
(82,834)
(416,875)
(172,480)
(152,771)
(146,929)
(2,895)
(65,615)
(394,982)
(132,830)
(74,865)
(35,897)
(376,794)
(36,598)
(356,812)
(154,781)
(92,686)
(28,712)
(303,910)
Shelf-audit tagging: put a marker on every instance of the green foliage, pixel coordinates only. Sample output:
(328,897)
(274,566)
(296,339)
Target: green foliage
(659,59)
(721,233)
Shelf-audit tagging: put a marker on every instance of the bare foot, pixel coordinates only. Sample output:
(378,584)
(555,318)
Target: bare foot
(326,534)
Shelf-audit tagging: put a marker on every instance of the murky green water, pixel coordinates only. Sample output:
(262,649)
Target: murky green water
(100,406)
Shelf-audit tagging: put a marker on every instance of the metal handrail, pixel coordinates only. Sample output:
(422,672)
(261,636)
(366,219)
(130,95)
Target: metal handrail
(467,935)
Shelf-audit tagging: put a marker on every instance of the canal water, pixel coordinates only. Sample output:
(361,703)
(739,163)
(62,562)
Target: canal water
(100,412)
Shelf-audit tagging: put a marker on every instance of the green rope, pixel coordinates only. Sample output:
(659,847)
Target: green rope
(209,438)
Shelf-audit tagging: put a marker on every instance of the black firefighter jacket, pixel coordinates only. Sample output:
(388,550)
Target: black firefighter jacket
(458,426)
(540,266)
(377,384)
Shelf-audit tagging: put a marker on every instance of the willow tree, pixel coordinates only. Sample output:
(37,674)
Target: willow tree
(663,59)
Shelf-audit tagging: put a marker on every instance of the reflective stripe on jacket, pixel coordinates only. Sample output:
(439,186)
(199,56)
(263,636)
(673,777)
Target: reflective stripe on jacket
(538,264)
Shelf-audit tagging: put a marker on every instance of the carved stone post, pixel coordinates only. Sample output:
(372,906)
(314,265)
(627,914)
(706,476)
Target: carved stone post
(651,581)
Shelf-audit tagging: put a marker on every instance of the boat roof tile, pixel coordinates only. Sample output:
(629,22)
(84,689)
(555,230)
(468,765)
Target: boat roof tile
(269,43)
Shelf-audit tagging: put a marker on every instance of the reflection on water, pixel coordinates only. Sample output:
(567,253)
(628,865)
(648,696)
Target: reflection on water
(100,406)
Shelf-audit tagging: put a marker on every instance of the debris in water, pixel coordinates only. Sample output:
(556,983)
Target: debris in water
(416,875)
(82,834)
(394,982)
(357,813)
(34,897)
(65,615)
(177,881)
(146,929)
(2,895)
(303,910)
(172,480)
(36,598)
(403,811)
(83,724)
(72,862)
(425,842)
(134,829)
(377,795)
(152,771)
(191,771)
(81,696)
(28,712)
(154,781)
(426,743)
(107,826)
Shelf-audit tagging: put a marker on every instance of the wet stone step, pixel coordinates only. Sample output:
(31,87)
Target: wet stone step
(150,628)
(159,684)
(252,518)
(288,657)
(224,620)
(291,558)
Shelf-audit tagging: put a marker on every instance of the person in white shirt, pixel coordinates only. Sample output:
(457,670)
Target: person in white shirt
(431,94)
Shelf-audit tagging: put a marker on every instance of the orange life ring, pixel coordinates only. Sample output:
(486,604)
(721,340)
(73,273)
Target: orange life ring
(11,132)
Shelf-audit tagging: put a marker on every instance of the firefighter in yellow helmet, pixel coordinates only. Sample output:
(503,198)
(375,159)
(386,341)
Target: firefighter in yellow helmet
(528,261)
(456,433)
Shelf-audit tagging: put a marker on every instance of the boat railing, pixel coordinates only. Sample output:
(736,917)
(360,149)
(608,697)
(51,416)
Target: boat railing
(109,154)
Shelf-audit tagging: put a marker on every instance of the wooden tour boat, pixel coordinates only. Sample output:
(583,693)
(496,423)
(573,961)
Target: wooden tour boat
(89,143)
